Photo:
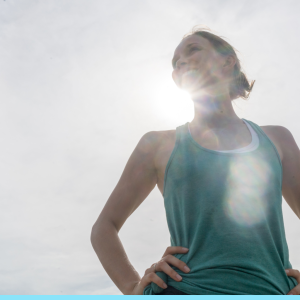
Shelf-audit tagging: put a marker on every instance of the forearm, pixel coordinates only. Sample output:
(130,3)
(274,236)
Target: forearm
(111,253)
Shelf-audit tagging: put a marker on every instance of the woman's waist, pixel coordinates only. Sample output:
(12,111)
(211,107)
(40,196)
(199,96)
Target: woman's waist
(232,280)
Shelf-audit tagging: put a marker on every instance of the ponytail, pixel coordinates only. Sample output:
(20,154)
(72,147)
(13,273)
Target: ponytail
(241,86)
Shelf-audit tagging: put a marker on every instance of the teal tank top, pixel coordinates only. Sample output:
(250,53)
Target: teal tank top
(227,209)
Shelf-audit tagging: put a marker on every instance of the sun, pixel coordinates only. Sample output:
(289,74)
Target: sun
(170,103)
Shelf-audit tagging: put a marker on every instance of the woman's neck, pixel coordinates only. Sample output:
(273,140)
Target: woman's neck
(213,112)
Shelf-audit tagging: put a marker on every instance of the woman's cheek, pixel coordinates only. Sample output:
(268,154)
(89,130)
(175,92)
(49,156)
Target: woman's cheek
(176,78)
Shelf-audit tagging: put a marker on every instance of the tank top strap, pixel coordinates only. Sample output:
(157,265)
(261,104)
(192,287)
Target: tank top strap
(265,140)
(181,132)
(180,137)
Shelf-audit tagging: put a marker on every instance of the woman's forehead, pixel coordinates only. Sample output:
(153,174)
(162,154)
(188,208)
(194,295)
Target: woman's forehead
(191,39)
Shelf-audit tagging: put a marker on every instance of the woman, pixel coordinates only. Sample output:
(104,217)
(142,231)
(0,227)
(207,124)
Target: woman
(222,179)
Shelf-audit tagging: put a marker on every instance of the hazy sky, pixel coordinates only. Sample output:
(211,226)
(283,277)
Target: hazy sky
(81,81)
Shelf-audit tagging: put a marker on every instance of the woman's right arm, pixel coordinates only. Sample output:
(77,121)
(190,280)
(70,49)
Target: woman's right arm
(136,182)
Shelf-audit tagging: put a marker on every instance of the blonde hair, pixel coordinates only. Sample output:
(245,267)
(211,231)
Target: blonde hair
(240,86)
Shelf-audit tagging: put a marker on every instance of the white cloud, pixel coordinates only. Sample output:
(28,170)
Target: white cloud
(78,84)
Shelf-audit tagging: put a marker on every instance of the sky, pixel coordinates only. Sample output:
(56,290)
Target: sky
(81,82)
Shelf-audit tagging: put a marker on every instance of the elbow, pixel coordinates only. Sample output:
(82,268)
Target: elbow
(94,234)
(99,230)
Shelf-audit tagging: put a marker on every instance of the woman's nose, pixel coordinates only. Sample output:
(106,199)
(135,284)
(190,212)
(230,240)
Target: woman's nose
(180,62)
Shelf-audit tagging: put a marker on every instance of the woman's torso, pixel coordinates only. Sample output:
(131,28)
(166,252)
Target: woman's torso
(166,142)
(226,208)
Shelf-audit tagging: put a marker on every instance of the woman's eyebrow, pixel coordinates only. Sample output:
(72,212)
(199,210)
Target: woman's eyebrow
(187,46)
(191,44)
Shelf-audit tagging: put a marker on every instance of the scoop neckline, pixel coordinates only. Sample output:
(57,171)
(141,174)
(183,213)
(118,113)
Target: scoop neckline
(224,153)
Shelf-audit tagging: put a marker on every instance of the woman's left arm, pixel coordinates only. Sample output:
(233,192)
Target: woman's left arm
(290,183)
(291,168)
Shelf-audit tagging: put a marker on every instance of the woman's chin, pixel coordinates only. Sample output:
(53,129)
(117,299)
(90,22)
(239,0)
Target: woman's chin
(190,87)
(194,87)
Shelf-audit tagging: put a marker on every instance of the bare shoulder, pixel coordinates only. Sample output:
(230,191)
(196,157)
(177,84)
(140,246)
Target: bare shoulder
(159,144)
(163,144)
(280,136)
(156,140)
(273,130)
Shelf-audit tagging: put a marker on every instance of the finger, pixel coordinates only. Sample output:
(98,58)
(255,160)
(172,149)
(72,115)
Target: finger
(152,277)
(163,266)
(174,261)
(149,270)
(295,290)
(175,249)
(294,273)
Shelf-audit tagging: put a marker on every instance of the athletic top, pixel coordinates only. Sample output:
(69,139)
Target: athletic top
(227,209)
(252,146)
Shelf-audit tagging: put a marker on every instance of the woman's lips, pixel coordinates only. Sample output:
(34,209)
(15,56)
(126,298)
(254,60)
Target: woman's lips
(190,72)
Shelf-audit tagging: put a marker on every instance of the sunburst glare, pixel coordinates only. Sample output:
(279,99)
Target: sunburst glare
(171,103)
(247,182)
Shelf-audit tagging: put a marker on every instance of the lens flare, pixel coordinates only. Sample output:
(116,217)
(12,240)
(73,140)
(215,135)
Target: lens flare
(190,80)
(247,182)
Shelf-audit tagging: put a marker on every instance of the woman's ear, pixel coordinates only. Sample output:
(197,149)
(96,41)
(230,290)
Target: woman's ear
(230,61)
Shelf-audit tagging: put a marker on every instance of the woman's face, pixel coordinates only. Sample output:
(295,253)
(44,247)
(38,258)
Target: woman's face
(197,65)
